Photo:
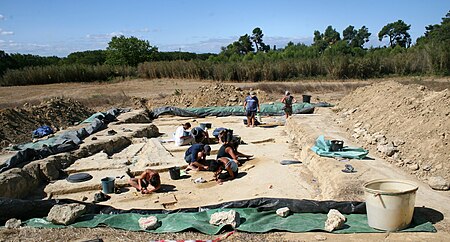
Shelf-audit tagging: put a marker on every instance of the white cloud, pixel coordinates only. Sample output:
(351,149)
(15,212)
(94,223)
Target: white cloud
(103,36)
(2,17)
(6,32)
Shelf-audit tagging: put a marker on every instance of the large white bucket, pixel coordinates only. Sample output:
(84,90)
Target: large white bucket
(389,203)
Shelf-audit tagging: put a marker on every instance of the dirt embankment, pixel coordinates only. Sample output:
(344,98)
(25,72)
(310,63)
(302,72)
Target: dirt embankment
(408,124)
(17,124)
(217,94)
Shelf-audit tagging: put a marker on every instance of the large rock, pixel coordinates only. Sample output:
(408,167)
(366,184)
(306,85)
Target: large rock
(13,223)
(283,212)
(335,220)
(387,149)
(438,183)
(223,218)
(66,214)
(149,223)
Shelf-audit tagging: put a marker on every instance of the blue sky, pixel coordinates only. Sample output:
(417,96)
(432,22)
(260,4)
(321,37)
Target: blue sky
(60,27)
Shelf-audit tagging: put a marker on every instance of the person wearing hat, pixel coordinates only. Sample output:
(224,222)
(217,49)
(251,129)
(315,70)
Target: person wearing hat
(200,135)
(288,100)
(195,156)
(251,106)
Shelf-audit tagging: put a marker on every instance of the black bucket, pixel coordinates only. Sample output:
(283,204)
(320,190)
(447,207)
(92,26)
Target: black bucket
(174,173)
(336,145)
(306,98)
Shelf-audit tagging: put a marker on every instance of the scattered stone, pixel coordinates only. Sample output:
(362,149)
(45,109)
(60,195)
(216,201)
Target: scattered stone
(438,183)
(427,168)
(65,214)
(283,212)
(335,220)
(223,218)
(413,167)
(149,223)
(13,223)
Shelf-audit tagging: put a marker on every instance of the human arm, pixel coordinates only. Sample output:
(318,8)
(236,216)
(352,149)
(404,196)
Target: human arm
(283,99)
(230,151)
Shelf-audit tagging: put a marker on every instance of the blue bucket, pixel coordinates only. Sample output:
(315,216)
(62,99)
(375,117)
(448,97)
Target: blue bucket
(108,185)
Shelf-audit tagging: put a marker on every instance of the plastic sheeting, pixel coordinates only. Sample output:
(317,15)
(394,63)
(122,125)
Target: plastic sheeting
(274,109)
(252,220)
(322,148)
(67,141)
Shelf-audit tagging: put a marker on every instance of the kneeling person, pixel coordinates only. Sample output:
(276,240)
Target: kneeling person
(222,163)
(196,156)
(149,181)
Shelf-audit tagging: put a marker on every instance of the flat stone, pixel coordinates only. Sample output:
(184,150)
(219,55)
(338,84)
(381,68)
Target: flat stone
(335,220)
(65,214)
(224,218)
(13,223)
(149,223)
(438,183)
(413,167)
(283,212)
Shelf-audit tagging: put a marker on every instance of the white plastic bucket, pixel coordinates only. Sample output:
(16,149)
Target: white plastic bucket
(389,203)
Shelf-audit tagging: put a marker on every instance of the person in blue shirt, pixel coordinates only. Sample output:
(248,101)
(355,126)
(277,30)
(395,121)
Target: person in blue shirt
(251,106)
(195,156)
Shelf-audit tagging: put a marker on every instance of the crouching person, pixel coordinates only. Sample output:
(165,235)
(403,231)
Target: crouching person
(148,182)
(195,156)
(224,163)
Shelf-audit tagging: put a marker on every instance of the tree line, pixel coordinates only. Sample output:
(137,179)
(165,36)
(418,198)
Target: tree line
(249,58)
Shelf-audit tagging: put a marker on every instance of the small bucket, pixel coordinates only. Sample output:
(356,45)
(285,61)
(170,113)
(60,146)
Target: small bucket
(108,185)
(306,98)
(336,145)
(174,173)
(389,203)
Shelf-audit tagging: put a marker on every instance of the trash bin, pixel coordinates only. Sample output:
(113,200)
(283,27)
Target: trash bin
(174,173)
(108,185)
(306,98)
(336,145)
(389,203)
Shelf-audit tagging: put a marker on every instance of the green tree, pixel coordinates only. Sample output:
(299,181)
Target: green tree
(89,57)
(6,62)
(356,38)
(397,33)
(129,51)
(256,37)
(331,36)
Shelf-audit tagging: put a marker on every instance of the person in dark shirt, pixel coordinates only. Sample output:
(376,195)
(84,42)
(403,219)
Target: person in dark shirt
(200,135)
(288,100)
(195,156)
(229,148)
(251,106)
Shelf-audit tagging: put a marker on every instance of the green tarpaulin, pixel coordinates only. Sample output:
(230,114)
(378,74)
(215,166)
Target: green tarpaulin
(252,220)
(322,148)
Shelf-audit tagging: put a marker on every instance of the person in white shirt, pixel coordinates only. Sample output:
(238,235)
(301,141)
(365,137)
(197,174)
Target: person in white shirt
(182,136)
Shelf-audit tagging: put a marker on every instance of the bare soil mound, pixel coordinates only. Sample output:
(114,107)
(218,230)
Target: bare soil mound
(17,124)
(408,124)
(215,95)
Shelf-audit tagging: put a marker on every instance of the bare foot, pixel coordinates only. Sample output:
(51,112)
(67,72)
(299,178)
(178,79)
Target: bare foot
(219,182)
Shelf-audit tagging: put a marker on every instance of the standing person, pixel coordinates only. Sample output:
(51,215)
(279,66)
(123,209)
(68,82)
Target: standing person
(288,100)
(195,156)
(182,136)
(251,106)
(148,182)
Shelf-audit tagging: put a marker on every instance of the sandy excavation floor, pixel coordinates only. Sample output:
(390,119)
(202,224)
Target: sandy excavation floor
(261,176)
(316,178)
